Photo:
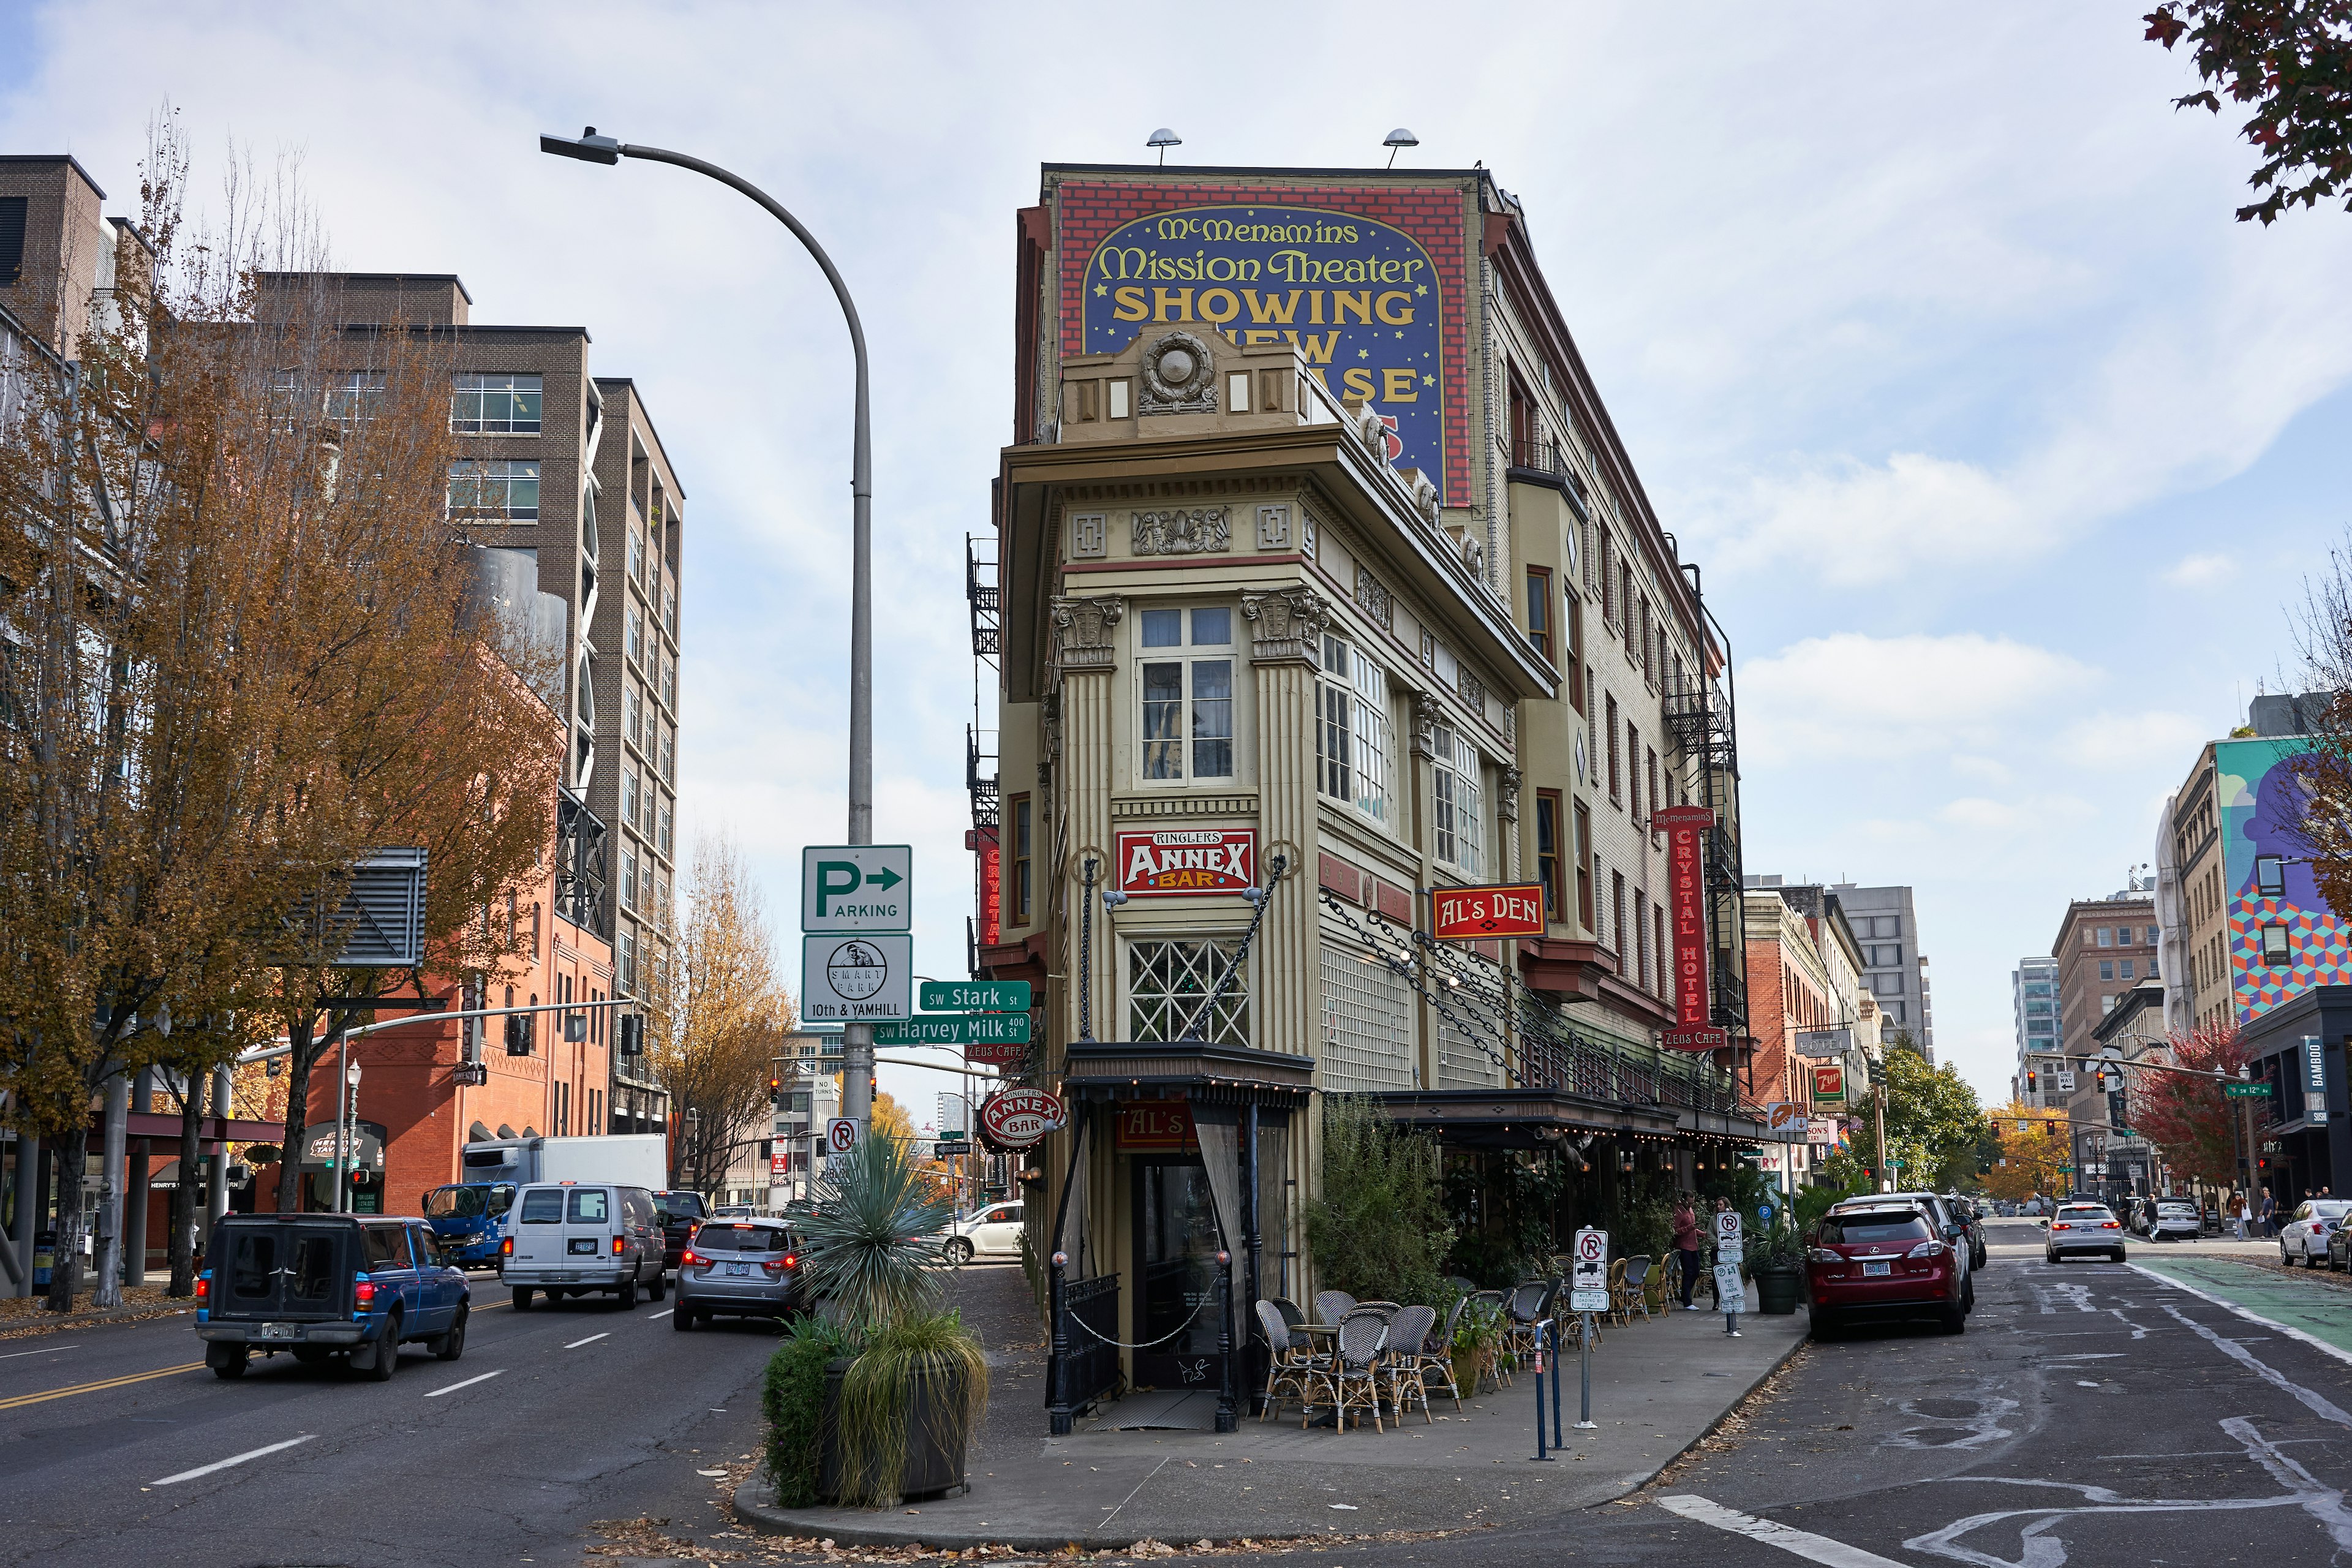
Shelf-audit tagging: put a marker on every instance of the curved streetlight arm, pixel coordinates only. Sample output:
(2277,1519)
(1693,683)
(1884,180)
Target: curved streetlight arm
(857,1040)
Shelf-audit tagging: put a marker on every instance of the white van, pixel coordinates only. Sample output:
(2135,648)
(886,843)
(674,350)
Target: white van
(568,1238)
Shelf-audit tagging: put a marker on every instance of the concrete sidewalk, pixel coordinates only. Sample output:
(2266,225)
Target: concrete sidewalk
(1657,1388)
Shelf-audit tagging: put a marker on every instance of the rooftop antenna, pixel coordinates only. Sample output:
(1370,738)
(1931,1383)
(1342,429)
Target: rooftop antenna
(1398,141)
(1164,138)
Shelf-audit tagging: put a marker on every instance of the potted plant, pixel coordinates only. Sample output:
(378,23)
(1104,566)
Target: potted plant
(905,1383)
(1777,1264)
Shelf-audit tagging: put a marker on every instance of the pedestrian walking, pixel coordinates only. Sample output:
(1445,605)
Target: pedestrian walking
(1728,1259)
(2270,1214)
(1686,1228)
(2238,1214)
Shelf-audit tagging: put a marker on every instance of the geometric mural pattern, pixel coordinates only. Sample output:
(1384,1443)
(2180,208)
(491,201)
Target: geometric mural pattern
(2319,952)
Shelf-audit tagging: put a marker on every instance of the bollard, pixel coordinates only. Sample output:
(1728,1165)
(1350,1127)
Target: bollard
(1542,1457)
(1556,1381)
(1584,1369)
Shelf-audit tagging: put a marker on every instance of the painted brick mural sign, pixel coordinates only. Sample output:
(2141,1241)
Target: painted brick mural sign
(1367,282)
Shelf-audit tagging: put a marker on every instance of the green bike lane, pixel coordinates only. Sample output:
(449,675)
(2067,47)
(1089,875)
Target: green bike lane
(2308,1309)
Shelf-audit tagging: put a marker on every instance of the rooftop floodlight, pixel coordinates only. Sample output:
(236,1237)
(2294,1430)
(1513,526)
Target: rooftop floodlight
(590,148)
(1164,138)
(1398,140)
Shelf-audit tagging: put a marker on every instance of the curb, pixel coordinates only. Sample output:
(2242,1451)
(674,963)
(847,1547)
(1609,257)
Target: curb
(39,1324)
(752,1509)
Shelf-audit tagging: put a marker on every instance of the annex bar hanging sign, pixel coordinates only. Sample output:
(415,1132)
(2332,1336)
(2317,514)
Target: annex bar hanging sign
(1187,862)
(1686,907)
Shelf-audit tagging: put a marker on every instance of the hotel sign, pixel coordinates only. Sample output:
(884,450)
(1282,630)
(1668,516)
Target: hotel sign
(1686,907)
(1362,302)
(1472,914)
(1187,862)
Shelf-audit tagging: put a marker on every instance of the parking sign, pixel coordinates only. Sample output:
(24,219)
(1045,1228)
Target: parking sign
(841,1135)
(1588,1284)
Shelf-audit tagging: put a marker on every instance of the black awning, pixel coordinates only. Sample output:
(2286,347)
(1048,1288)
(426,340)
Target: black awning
(1127,1070)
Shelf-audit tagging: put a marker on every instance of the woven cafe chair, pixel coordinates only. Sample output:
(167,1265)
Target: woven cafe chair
(1618,1311)
(1437,1356)
(1291,1364)
(1386,1309)
(1409,1356)
(1331,1306)
(1525,1310)
(1292,1316)
(1637,1293)
(1352,1378)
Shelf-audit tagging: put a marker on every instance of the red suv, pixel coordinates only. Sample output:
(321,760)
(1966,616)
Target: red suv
(1885,1261)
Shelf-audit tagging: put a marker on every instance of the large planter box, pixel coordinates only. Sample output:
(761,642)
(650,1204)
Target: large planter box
(1776,1289)
(934,1462)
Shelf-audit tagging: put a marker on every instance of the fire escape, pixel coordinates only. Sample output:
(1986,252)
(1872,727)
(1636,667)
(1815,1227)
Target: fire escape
(983,595)
(1701,719)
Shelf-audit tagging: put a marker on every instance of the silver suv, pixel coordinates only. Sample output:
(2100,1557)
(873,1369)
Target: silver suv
(737,1268)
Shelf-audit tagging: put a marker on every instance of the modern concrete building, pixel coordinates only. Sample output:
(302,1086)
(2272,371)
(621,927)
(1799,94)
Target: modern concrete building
(2034,1002)
(577,511)
(1887,925)
(1327,588)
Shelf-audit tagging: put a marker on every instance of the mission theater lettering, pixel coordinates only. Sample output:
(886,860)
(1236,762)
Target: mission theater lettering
(1360,300)
(1194,861)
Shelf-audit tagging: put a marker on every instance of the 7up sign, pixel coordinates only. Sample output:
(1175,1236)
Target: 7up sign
(856,887)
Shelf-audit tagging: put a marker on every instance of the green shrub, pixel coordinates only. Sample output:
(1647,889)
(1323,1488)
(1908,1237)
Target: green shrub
(793,1400)
(1378,1230)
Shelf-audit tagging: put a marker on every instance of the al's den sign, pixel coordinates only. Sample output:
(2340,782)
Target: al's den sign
(1361,302)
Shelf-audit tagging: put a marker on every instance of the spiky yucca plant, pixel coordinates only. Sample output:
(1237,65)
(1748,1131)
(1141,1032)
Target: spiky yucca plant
(870,1237)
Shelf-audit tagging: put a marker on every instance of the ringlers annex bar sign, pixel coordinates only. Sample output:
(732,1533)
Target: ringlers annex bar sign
(1360,300)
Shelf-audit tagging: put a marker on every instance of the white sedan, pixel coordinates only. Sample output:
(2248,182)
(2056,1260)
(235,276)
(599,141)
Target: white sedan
(2303,1237)
(993,1232)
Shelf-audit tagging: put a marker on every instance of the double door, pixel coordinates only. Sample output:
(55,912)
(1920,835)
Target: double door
(1176,1242)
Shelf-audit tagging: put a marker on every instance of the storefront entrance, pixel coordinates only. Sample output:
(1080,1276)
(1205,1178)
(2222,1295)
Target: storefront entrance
(1176,1274)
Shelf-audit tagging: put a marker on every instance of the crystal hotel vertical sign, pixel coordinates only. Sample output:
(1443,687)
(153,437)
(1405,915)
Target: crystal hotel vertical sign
(1686,887)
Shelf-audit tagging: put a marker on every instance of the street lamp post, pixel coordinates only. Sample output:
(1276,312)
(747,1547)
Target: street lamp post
(857,1040)
(347,1104)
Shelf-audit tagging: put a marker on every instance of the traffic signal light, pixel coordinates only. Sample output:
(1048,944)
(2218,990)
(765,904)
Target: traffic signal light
(2032,1081)
(633,1034)
(775,1088)
(1878,1075)
(2100,1074)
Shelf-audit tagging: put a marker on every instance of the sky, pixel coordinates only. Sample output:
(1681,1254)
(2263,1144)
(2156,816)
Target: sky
(2004,449)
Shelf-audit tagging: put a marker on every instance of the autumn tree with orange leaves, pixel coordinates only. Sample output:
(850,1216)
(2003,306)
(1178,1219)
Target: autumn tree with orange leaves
(2188,1118)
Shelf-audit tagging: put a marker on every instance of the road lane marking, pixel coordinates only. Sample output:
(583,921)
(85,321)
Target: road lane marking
(467,1384)
(236,1459)
(2313,1340)
(658,1317)
(2318,1404)
(99,1386)
(590,1340)
(55,1350)
(1802,1544)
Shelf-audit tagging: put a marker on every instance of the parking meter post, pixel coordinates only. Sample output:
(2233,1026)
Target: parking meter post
(1584,1373)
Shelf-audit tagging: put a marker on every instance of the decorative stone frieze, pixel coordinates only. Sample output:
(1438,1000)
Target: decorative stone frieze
(1201,531)
(1378,604)
(1426,717)
(1179,375)
(1274,528)
(1507,793)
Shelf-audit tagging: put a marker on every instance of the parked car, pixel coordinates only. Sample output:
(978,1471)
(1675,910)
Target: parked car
(2304,1237)
(571,1238)
(1964,1210)
(1947,1226)
(680,1212)
(2083,1227)
(738,1269)
(992,1232)
(2176,1217)
(1881,1259)
(320,1286)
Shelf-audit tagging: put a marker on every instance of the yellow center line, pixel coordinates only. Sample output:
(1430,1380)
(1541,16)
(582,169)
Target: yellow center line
(99,1386)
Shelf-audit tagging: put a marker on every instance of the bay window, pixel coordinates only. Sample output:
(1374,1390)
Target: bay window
(1187,702)
(1352,732)
(1460,836)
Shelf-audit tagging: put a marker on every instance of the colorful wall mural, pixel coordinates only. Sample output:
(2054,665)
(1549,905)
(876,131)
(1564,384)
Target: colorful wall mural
(2256,796)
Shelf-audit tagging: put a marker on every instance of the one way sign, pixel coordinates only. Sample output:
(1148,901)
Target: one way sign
(856,887)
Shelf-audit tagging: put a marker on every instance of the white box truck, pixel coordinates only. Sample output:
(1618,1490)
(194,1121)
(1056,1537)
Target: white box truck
(627,1159)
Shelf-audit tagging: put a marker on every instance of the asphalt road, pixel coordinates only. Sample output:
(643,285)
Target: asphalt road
(555,1417)
(2091,1414)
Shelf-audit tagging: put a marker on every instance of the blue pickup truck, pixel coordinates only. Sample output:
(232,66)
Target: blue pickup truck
(320,1286)
(470,1217)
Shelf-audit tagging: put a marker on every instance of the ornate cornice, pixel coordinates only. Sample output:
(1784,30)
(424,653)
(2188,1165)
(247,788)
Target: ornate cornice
(1287,625)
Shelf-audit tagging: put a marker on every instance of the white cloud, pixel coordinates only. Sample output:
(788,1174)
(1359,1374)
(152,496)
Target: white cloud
(2147,739)
(2201,571)
(1852,695)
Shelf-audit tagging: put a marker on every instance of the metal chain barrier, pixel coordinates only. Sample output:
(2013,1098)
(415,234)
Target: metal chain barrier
(1147,1344)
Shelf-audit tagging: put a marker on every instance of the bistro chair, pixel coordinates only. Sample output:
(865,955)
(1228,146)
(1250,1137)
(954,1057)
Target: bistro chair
(1351,1375)
(1437,1354)
(1291,1366)
(1618,1311)
(1292,1317)
(1636,1295)
(1408,1355)
(1386,1309)
(1526,1310)
(1331,1306)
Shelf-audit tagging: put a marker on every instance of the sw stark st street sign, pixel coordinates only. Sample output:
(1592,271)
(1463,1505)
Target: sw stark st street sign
(1187,862)
(1515,909)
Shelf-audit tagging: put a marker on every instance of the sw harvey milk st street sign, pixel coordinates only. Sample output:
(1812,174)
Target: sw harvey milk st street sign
(857,888)
(956,1029)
